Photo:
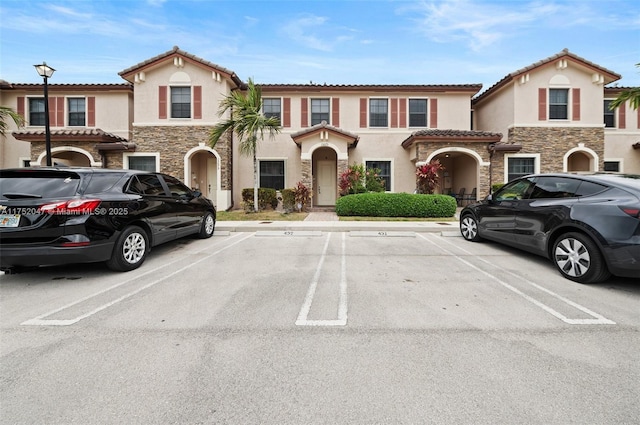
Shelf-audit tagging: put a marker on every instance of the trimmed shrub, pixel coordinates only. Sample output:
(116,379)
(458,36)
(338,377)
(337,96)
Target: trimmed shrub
(266,198)
(396,205)
(496,186)
(288,200)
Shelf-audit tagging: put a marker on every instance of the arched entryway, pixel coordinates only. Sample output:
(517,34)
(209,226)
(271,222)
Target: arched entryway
(69,156)
(461,174)
(580,159)
(325,176)
(202,173)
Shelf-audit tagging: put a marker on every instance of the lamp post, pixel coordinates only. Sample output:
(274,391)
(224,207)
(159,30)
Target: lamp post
(45,71)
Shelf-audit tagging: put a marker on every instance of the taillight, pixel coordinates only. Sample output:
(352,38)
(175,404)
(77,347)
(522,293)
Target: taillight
(72,207)
(632,211)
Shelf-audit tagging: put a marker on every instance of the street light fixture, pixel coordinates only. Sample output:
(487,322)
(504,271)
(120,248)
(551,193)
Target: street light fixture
(45,71)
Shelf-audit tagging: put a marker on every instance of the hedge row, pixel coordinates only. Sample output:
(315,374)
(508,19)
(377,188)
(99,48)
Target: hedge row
(266,198)
(396,205)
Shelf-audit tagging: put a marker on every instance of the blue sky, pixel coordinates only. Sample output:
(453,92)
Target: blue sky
(333,42)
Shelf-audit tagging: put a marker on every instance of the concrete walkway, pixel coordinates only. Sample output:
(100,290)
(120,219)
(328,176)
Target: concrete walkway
(329,222)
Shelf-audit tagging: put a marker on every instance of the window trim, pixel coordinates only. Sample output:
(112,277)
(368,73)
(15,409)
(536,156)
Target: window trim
(127,155)
(536,163)
(426,112)
(311,100)
(28,112)
(274,159)
(369,112)
(67,115)
(568,104)
(170,101)
(391,169)
(280,112)
(611,112)
(620,162)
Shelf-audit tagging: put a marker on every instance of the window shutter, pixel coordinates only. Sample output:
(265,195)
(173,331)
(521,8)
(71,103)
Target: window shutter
(304,112)
(335,112)
(197,102)
(542,104)
(403,113)
(286,113)
(622,116)
(363,113)
(576,105)
(91,111)
(394,112)
(162,102)
(433,113)
(60,111)
(20,107)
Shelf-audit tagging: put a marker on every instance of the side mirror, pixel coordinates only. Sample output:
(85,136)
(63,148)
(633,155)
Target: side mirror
(196,194)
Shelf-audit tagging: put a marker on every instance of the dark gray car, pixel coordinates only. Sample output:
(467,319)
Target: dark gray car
(588,225)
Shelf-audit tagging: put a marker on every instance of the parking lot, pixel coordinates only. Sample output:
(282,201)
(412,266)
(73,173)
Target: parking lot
(320,327)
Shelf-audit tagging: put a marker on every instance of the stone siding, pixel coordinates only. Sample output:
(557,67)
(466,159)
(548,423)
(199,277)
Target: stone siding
(173,142)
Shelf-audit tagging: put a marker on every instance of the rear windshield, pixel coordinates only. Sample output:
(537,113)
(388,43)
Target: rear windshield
(28,184)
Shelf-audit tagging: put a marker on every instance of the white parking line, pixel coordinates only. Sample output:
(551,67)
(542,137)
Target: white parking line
(342,303)
(597,318)
(41,321)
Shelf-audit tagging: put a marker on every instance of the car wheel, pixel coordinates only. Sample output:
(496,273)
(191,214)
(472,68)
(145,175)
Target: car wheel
(130,250)
(207,227)
(578,258)
(469,228)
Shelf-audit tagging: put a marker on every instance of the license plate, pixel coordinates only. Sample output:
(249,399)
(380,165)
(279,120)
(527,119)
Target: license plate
(9,220)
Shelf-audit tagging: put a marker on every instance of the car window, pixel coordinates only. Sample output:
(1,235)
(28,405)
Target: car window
(554,187)
(176,187)
(589,188)
(146,184)
(101,182)
(38,184)
(515,190)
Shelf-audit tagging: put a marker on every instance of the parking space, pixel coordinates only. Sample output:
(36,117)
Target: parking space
(310,327)
(357,279)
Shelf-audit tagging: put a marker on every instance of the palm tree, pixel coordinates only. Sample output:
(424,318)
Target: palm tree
(248,122)
(632,95)
(6,112)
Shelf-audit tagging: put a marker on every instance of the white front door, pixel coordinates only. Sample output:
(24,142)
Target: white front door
(326,182)
(212,180)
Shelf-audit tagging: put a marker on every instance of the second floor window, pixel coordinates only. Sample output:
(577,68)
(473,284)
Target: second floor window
(76,111)
(378,113)
(558,104)
(180,102)
(417,112)
(609,116)
(272,108)
(319,111)
(36,111)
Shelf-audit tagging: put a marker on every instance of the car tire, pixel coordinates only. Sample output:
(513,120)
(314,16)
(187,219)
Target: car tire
(469,228)
(207,227)
(130,250)
(578,258)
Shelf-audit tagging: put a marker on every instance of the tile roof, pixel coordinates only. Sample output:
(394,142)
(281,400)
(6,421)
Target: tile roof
(176,51)
(93,135)
(439,88)
(66,86)
(324,126)
(455,135)
(565,53)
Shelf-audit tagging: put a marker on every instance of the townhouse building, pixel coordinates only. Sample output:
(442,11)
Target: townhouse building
(549,116)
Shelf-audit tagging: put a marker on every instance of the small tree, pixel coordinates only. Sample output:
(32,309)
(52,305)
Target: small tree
(427,175)
(6,112)
(632,95)
(248,122)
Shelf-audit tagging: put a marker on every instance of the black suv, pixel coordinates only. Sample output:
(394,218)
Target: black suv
(53,216)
